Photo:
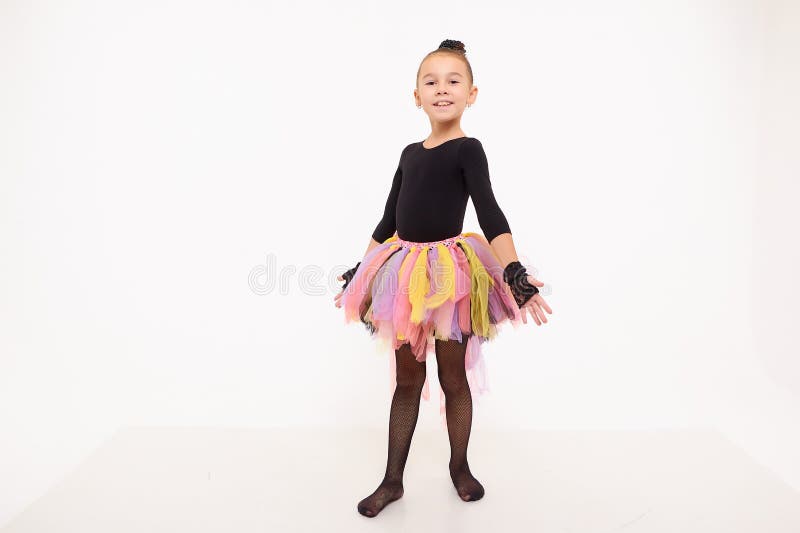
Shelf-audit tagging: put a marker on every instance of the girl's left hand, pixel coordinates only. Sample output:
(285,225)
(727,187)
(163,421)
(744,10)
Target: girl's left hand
(536,305)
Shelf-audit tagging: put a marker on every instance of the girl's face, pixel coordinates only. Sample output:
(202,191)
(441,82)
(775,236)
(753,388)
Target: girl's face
(443,78)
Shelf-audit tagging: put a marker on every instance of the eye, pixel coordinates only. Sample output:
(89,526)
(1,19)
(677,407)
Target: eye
(454,81)
(428,83)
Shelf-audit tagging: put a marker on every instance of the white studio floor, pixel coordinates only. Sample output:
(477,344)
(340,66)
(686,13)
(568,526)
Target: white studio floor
(241,480)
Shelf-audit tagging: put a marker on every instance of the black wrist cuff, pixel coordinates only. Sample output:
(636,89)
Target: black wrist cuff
(513,270)
(516,277)
(349,275)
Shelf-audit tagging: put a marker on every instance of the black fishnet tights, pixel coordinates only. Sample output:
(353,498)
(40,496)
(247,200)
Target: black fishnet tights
(458,408)
(403,420)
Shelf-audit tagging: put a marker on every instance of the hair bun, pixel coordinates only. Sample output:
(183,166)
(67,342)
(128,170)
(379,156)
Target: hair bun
(454,45)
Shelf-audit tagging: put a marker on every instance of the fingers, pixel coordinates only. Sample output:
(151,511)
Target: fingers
(338,299)
(542,303)
(539,313)
(525,310)
(532,311)
(535,311)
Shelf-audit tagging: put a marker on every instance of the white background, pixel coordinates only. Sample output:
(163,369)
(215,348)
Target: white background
(154,156)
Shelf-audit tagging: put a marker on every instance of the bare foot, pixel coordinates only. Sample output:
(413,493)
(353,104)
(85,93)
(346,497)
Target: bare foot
(386,493)
(469,489)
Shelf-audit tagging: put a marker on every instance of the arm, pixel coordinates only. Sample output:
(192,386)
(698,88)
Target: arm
(385,228)
(387,225)
(503,246)
(372,244)
(497,231)
(493,222)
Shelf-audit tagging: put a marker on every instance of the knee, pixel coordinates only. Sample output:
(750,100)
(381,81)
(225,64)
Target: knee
(453,382)
(414,379)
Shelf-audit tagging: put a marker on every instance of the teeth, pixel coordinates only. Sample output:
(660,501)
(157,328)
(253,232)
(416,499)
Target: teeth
(444,103)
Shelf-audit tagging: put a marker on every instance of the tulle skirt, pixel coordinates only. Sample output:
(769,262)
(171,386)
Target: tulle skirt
(417,292)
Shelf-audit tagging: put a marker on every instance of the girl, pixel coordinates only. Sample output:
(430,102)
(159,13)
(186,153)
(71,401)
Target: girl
(429,288)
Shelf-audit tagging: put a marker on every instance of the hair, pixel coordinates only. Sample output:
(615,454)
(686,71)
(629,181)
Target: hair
(449,46)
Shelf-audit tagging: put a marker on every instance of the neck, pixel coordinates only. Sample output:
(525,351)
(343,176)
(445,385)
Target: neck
(445,130)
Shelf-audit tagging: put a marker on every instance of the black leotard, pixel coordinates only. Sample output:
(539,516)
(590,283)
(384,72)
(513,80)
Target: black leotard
(430,189)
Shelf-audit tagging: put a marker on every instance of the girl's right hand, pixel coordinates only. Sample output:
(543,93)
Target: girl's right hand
(337,299)
(346,277)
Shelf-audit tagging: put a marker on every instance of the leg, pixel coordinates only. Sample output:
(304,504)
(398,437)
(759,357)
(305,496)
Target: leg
(402,421)
(458,408)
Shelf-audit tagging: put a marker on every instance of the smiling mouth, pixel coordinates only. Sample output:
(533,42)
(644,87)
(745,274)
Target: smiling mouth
(445,104)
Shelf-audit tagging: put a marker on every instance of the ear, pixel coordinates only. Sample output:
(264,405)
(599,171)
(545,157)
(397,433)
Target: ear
(473,94)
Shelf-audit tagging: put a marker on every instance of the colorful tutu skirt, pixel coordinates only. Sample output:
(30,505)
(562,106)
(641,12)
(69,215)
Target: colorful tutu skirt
(417,292)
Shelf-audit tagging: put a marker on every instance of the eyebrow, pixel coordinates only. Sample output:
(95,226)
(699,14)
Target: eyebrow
(449,73)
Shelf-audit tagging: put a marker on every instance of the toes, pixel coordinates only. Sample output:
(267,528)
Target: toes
(366,511)
(469,489)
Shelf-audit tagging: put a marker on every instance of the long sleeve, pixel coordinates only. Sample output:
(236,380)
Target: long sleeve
(475,169)
(387,225)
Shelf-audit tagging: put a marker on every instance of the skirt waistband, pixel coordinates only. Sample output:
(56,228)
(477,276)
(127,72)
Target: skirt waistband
(450,241)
